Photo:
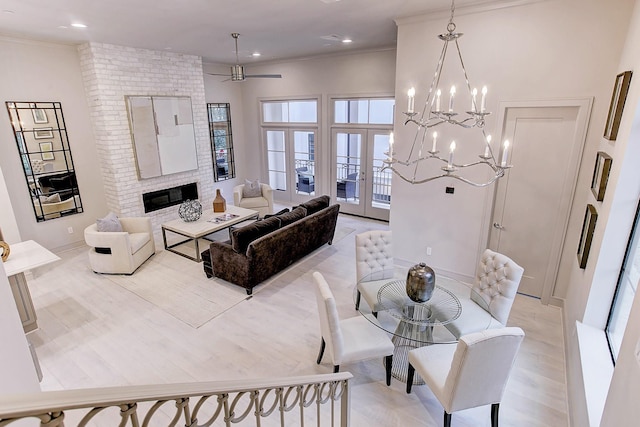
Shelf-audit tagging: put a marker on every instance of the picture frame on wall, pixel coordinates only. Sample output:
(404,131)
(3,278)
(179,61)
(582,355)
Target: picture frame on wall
(43,133)
(618,98)
(588,227)
(601,175)
(46,149)
(39,114)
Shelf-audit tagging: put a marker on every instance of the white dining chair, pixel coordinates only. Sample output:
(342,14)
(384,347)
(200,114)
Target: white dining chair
(489,302)
(470,374)
(374,264)
(349,340)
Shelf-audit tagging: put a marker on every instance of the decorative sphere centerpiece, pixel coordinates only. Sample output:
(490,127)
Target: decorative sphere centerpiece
(190,210)
(421,280)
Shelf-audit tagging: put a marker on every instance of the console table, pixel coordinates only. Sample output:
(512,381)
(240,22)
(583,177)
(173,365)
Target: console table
(26,256)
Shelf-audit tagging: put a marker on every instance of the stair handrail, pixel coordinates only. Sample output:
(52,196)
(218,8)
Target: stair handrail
(265,396)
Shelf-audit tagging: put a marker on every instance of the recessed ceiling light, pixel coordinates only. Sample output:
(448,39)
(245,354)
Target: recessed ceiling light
(347,40)
(255,54)
(78,25)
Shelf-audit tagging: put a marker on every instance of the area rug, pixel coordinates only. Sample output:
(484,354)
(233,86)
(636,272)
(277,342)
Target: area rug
(341,233)
(179,286)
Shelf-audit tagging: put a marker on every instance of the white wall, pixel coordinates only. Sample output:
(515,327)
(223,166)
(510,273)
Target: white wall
(48,72)
(10,233)
(217,90)
(542,51)
(591,292)
(17,371)
(360,74)
(521,54)
(111,73)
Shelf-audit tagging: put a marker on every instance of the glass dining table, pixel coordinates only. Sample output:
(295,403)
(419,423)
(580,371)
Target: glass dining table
(415,324)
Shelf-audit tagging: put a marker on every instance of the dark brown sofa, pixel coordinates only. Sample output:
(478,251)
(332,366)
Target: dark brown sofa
(260,250)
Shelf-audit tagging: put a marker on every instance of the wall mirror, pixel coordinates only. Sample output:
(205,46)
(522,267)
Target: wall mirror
(221,141)
(163,134)
(45,155)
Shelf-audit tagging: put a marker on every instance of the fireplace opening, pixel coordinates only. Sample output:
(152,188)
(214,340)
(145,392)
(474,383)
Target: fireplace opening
(161,199)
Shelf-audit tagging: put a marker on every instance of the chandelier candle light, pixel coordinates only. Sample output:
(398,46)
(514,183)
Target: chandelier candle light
(432,115)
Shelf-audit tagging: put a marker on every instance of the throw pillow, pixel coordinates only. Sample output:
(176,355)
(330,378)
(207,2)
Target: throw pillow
(285,210)
(241,238)
(317,204)
(54,198)
(251,189)
(293,216)
(109,223)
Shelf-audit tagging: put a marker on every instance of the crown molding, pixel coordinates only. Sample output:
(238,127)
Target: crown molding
(480,7)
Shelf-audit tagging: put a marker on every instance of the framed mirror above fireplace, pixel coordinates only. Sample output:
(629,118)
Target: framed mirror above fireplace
(45,156)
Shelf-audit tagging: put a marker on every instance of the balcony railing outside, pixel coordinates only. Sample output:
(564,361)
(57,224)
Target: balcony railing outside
(322,400)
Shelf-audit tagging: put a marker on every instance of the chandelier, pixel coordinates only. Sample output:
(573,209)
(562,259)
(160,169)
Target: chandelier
(434,113)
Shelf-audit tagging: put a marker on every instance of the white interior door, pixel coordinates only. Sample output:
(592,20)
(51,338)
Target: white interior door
(533,201)
(361,188)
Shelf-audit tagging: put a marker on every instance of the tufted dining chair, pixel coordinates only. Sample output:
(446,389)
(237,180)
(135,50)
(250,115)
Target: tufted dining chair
(374,264)
(349,340)
(489,303)
(472,373)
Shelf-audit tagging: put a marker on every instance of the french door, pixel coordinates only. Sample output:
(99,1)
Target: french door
(291,163)
(361,186)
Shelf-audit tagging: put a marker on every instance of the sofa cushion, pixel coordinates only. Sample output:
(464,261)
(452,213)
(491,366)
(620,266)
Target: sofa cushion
(109,223)
(251,189)
(293,216)
(242,237)
(317,204)
(285,210)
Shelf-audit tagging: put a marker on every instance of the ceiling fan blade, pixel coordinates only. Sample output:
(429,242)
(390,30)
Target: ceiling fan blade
(218,74)
(264,76)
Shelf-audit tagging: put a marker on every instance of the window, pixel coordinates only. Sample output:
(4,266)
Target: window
(304,111)
(377,111)
(625,291)
(221,141)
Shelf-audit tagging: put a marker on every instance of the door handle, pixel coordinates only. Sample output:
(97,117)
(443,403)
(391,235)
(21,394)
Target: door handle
(498,226)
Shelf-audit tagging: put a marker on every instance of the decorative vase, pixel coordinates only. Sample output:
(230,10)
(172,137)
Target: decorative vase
(219,203)
(421,280)
(190,210)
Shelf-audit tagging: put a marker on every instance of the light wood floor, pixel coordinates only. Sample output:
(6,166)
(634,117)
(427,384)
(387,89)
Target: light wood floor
(95,333)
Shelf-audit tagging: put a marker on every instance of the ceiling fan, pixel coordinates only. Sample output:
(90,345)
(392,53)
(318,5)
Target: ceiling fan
(237,71)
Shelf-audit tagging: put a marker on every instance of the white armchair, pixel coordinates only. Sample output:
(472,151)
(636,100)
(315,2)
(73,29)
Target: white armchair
(262,204)
(491,297)
(120,252)
(349,340)
(470,374)
(374,263)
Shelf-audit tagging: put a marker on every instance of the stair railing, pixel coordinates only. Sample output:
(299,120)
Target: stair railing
(322,400)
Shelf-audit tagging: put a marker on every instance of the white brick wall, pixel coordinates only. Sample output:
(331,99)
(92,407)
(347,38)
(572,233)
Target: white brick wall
(112,72)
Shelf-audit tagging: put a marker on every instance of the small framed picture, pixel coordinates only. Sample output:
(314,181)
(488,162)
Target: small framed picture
(39,114)
(43,133)
(588,227)
(618,98)
(46,149)
(600,175)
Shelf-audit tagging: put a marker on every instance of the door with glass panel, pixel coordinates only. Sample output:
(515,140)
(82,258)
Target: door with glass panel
(362,187)
(290,134)
(291,163)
